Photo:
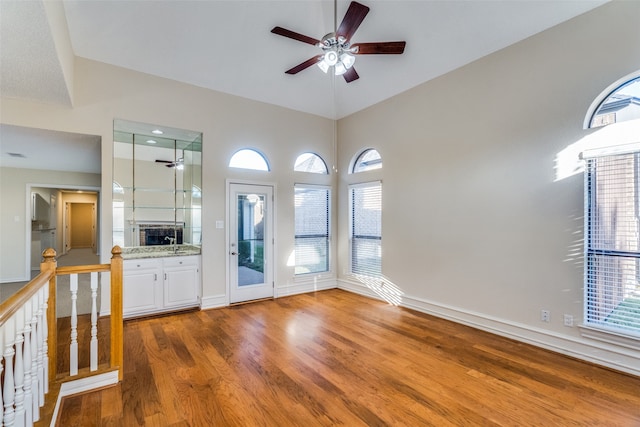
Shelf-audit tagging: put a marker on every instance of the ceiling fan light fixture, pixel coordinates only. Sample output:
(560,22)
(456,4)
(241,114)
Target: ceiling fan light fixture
(331,58)
(340,69)
(323,66)
(347,59)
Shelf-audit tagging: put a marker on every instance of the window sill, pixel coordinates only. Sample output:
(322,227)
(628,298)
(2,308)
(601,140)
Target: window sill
(611,337)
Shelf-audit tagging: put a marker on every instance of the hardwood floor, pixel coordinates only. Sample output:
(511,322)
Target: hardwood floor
(336,358)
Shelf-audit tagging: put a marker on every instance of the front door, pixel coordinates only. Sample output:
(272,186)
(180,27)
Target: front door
(250,242)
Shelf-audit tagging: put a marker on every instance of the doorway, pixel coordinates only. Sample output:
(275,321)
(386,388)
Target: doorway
(80,226)
(53,224)
(250,242)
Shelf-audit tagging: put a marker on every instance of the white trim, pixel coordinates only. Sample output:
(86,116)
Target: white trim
(306,287)
(214,301)
(611,356)
(604,95)
(610,336)
(82,385)
(617,138)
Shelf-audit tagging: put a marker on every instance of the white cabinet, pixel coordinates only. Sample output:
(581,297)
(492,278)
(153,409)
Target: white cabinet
(155,285)
(181,281)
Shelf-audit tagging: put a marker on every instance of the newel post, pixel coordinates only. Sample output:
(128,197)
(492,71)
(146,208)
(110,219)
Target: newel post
(49,263)
(116,311)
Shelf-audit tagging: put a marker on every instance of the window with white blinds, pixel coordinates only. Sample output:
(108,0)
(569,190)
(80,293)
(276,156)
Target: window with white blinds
(612,211)
(365,202)
(311,229)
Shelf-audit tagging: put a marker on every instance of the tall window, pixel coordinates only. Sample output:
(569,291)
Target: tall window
(365,201)
(612,212)
(311,229)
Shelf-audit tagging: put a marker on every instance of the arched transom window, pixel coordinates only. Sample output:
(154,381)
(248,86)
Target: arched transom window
(310,162)
(622,104)
(369,159)
(249,159)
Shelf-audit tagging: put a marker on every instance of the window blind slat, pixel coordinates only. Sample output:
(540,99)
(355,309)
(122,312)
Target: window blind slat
(613,242)
(366,229)
(311,229)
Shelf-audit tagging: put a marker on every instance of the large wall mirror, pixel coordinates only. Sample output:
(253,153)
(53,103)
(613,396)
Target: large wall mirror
(157,181)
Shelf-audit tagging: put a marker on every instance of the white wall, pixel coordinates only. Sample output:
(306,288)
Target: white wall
(475,225)
(228,123)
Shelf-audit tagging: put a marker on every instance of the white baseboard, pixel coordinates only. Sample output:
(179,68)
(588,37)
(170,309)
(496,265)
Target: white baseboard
(611,356)
(305,287)
(82,385)
(215,301)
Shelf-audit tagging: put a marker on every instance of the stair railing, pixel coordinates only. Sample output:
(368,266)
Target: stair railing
(31,387)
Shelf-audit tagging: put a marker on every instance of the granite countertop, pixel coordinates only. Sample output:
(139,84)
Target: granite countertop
(160,251)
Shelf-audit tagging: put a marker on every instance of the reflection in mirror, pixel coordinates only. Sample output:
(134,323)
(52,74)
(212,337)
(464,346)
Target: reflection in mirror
(157,181)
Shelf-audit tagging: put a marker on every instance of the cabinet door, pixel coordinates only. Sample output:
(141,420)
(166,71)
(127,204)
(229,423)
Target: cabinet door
(142,287)
(181,281)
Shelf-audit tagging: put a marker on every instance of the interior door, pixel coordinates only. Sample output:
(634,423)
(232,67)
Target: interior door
(250,242)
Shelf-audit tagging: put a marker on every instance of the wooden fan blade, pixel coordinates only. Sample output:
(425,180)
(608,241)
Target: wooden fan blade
(351,75)
(293,35)
(386,48)
(352,20)
(306,64)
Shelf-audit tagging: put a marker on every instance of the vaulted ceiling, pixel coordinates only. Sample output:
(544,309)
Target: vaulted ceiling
(227,46)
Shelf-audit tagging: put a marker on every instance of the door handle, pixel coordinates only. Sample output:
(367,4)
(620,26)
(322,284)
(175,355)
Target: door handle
(234,253)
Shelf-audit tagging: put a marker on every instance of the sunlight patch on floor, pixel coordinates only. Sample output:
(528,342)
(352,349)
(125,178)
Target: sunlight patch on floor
(383,287)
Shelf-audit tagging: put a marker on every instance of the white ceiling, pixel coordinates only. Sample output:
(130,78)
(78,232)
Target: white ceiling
(227,46)
(28,148)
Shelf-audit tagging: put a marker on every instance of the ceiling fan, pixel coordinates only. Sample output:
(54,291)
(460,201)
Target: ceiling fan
(337,50)
(179,164)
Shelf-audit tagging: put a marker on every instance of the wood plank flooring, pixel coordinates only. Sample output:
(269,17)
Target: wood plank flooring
(336,358)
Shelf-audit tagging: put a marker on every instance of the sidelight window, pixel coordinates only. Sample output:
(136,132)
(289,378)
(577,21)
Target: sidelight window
(312,228)
(365,202)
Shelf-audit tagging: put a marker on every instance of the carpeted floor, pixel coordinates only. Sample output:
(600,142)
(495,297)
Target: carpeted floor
(73,257)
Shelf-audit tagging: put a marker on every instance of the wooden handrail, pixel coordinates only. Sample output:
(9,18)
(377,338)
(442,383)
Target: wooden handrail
(9,307)
(39,295)
(79,269)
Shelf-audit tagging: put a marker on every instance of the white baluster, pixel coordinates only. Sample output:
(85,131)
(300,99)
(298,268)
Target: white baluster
(35,382)
(45,342)
(40,344)
(1,369)
(19,368)
(94,321)
(9,390)
(73,348)
(28,393)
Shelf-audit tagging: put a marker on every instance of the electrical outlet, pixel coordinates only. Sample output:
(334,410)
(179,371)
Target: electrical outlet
(568,320)
(545,315)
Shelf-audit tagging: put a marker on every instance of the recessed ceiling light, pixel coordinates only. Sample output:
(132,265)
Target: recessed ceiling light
(157,132)
(151,141)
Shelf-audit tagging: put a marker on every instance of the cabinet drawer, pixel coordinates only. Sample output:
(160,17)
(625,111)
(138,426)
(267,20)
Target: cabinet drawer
(178,261)
(140,264)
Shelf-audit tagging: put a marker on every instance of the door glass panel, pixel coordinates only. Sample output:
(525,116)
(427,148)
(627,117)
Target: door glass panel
(250,239)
